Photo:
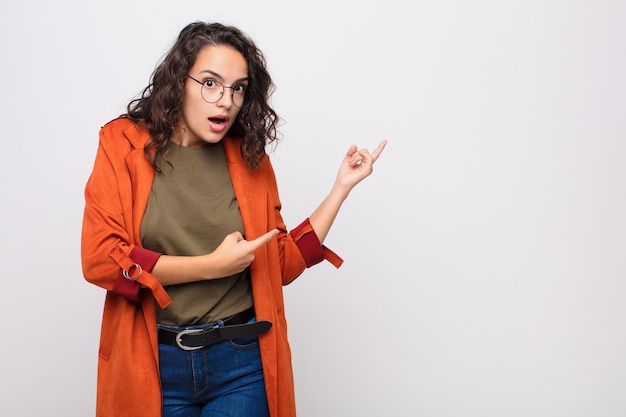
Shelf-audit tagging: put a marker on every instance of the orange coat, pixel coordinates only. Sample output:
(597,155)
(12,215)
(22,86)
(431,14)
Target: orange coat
(116,196)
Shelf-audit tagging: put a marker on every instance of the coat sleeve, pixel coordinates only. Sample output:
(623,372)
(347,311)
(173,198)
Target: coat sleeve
(110,259)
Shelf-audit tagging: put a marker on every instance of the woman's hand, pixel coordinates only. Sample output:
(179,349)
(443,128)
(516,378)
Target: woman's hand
(356,165)
(235,253)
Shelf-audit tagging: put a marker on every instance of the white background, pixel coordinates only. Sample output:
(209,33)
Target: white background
(485,258)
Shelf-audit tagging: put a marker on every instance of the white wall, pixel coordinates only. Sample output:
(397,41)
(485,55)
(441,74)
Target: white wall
(485,259)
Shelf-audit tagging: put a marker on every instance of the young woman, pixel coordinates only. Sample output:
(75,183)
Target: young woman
(182,227)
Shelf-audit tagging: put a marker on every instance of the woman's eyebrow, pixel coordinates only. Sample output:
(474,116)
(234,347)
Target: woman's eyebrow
(216,75)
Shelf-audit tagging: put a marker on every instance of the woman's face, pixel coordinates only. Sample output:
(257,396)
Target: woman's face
(201,122)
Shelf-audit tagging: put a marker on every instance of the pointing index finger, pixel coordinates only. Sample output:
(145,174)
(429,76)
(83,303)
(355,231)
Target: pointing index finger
(378,150)
(264,239)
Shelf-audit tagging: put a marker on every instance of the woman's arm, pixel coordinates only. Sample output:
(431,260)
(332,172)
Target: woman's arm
(356,165)
(232,256)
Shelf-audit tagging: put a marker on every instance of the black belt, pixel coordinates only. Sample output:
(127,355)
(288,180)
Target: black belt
(235,327)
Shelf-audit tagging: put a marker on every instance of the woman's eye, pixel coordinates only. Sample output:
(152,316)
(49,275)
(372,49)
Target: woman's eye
(239,88)
(209,83)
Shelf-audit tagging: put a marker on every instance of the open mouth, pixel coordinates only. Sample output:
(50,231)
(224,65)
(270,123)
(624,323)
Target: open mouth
(217,120)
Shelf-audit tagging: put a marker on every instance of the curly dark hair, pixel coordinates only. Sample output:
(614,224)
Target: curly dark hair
(160,105)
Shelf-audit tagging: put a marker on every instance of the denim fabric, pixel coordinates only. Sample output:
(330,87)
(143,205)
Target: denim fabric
(220,380)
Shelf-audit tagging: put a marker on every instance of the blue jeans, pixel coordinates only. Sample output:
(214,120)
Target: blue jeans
(220,380)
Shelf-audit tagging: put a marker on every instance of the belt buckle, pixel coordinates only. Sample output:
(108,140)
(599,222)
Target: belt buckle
(179,339)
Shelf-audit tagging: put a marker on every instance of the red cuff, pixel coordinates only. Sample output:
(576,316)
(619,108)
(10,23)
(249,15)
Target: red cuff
(126,288)
(144,257)
(309,245)
(129,288)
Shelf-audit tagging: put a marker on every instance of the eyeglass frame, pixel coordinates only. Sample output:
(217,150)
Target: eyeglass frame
(232,91)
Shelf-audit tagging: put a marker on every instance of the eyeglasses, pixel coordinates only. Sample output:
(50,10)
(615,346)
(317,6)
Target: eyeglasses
(212,91)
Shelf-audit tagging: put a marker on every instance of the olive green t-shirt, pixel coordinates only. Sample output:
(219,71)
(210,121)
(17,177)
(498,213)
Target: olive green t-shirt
(192,207)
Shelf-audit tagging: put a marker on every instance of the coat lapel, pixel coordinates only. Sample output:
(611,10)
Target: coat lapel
(142,175)
(250,189)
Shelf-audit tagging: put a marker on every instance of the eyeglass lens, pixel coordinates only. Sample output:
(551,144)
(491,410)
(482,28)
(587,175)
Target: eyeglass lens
(212,91)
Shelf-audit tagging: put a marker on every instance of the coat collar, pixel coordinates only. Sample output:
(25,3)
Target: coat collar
(136,136)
